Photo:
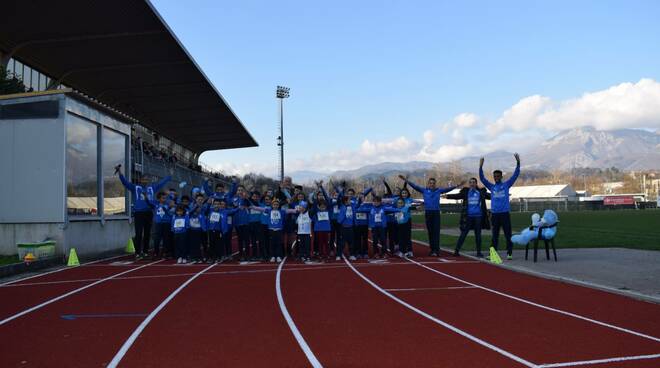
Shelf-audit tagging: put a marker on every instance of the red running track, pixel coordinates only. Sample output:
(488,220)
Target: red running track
(405,315)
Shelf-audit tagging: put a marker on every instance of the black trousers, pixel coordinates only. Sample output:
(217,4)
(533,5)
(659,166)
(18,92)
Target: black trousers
(304,241)
(264,242)
(194,244)
(142,231)
(361,241)
(276,246)
(215,238)
(472,223)
(335,234)
(181,244)
(433,229)
(392,235)
(243,240)
(502,220)
(379,237)
(404,232)
(253,232)
(161,236)
(347,238)
(226,244)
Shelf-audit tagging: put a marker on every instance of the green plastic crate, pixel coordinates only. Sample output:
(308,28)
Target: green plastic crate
(43,249)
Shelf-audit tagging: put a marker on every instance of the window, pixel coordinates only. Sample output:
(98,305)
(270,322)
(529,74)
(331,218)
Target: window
(114,153)
(81,167)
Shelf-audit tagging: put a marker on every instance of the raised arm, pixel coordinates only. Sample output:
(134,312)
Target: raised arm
(234,188)
(159,185)
(387,188)
(413,185)
(516,172)
(367,191)
(482,177)
(325,195)
(207,188)
(127,184)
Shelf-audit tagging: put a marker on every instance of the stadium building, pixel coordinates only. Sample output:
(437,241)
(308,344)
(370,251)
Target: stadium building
(108,83)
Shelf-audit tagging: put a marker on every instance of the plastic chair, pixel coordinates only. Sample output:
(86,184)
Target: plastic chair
(548,243)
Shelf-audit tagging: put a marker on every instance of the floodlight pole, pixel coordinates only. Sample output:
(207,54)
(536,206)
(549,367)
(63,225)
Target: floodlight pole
(282,93)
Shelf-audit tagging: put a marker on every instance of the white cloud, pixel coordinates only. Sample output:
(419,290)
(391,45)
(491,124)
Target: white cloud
(626,105)
(466,120)
(519,128)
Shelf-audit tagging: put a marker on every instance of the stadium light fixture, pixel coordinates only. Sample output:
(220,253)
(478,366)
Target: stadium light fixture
(281,93)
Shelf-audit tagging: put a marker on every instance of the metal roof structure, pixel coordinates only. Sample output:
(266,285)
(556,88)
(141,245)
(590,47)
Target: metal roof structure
(123,54)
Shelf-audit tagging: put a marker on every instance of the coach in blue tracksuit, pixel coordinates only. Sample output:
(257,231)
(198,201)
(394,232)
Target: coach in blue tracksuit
(143,196)
(499,203)
(432,210)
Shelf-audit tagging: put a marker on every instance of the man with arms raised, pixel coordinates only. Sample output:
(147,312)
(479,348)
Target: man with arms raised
(431,210)
(499,205)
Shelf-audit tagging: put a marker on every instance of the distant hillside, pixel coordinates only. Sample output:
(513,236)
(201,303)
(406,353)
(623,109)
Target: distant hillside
(625,149)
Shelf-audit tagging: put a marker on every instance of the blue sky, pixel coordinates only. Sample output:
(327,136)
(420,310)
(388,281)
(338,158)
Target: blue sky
(379,81)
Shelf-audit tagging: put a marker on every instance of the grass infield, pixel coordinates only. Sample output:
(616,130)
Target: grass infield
(635,229)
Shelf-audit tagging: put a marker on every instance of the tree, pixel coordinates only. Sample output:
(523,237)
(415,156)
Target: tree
(9,82)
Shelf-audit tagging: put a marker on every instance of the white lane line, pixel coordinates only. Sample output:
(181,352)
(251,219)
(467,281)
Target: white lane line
(58,270)
(600,361)
(292,326)
(442,323)
(604,324)
(131,339)
(436,288)
(53,300)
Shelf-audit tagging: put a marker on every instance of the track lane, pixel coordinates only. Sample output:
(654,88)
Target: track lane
(348,323)
(45,339)
(228,320)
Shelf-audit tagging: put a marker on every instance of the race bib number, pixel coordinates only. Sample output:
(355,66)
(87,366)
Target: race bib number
(378,217)
(179,223)
(399,216)
(335,209)
(229,220)
(275,216)
(215,217)
(323,216)
(349,212)
(194,222)
(360,216)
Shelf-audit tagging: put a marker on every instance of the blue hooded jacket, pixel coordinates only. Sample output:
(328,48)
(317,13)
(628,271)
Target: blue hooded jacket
(499,197)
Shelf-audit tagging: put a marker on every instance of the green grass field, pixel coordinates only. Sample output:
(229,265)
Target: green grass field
(5,260)
(638,229)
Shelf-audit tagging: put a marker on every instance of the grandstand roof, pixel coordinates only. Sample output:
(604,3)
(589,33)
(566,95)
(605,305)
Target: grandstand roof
(123,54)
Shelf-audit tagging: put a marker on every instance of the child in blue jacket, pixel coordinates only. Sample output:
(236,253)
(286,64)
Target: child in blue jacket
(180,224)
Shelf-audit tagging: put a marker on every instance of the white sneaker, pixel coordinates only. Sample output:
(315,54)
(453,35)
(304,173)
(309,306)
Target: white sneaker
(399,254)
(351,258)
(279,259)
(409,254)
(178,261)
(184,261)
(338,258)
(272,259)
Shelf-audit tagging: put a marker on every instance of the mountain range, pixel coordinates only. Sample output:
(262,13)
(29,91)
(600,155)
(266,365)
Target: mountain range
(625,149)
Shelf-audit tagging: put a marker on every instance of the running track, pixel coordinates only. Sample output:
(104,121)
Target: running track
(448,312)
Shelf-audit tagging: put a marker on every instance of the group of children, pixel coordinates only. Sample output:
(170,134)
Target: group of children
(268,226)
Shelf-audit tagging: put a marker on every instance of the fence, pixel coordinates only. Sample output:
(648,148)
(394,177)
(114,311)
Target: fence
(562,205)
